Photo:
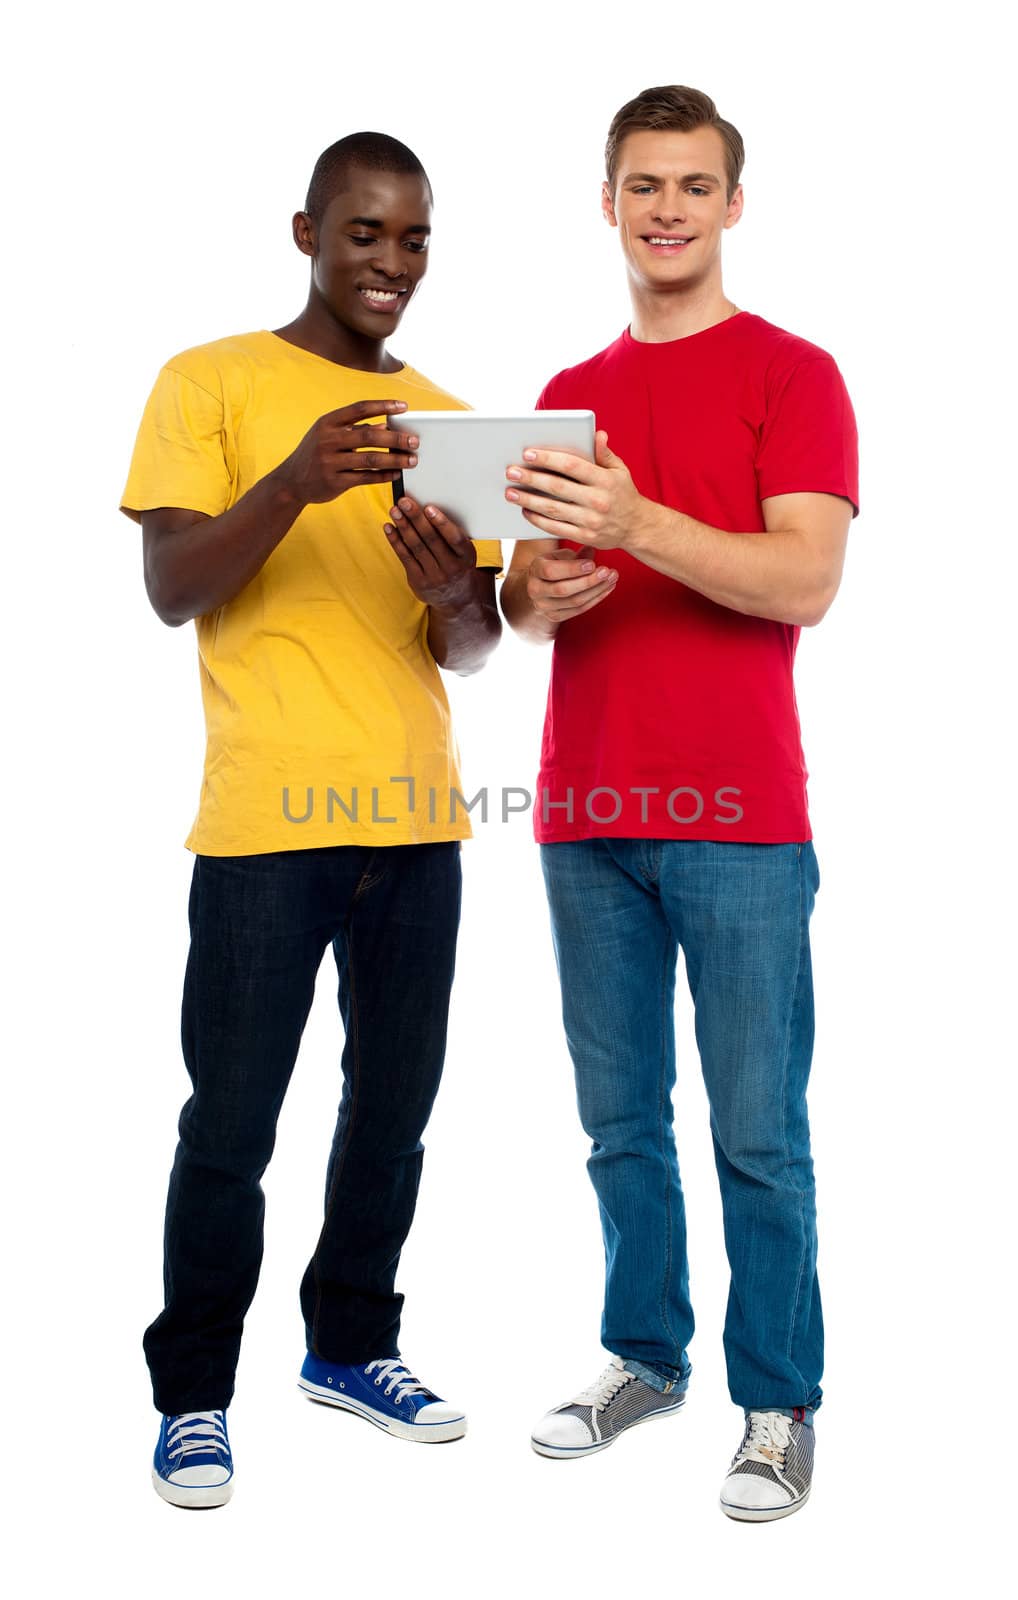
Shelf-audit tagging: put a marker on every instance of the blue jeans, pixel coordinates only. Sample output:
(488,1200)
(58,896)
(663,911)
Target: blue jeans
(260,925)
(620,910)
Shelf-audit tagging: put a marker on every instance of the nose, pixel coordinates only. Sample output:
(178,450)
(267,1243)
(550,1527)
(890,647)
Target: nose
(671,204)
(389,266)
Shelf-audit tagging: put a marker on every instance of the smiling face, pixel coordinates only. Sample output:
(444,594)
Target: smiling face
(370,250)
(670,207)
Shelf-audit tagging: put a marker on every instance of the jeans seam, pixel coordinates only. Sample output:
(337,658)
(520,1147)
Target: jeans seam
(784,1113)
(196,939)
(193,995)
(355,1037)
(666,1284)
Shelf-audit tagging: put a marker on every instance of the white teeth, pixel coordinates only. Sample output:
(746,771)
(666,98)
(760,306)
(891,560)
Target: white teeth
(656,240)
(380,294)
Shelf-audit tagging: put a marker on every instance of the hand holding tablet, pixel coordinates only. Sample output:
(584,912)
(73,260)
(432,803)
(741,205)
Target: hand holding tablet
(463,456)
(438,557)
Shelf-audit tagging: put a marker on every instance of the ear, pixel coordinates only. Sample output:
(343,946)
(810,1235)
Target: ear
(734,207)
(304,234)
(607,208)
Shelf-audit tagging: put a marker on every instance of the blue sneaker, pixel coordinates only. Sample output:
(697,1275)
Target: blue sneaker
(193,1465)
(386,1393)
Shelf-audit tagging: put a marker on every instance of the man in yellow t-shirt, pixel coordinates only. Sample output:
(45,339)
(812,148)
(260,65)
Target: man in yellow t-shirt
(330,810)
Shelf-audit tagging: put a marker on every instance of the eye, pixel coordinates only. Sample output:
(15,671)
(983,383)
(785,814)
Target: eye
(642,188)
(697,189)
(418,246)
(360,238)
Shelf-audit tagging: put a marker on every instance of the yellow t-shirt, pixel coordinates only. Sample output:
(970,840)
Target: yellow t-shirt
(322,700)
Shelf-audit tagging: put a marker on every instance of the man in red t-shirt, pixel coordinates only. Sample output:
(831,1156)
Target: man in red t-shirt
(674,575)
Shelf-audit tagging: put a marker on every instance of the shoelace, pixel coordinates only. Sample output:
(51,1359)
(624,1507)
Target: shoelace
(606,1387)
(195,1433)
(767,1438)
(400,1378)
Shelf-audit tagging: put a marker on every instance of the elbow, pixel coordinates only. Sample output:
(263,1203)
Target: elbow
(479,659)
(808,608)
(166,609)
(169,606)
(807,618)
(511,606)
(821,604)
(526,623)
(174,619)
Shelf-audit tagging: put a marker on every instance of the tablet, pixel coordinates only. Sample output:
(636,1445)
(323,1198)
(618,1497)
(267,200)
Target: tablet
(463,456)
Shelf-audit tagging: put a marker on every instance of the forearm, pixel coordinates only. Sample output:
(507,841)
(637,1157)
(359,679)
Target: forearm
(199,568)
(520,612)
(462,636)
(769,574)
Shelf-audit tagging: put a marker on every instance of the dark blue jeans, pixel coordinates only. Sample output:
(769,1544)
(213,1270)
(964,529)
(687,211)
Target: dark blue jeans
(621,909)
(260,925)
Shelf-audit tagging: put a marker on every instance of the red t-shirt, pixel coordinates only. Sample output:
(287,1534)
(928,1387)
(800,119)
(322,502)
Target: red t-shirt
(658,688)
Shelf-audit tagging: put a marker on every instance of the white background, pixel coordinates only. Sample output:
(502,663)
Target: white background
(156,157)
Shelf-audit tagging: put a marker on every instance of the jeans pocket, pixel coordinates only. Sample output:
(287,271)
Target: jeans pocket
(807,854)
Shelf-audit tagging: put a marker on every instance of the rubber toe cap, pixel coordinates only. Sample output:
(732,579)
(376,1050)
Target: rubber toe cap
(211,1476)
(752,1493)
(438,1411)
(563,1430)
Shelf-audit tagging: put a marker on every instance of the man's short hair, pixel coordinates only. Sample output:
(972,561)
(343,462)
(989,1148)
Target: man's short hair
(375,151)
(674,106)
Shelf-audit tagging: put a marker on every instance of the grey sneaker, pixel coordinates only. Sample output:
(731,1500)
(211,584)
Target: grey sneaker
(595,1418)
(772,1469)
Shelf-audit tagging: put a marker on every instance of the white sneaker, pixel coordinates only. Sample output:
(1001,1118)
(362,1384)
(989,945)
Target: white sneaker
(772,1469)
(596,1417)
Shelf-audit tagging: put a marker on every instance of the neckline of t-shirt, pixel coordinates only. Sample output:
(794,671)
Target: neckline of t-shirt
(669,344)
(400,372)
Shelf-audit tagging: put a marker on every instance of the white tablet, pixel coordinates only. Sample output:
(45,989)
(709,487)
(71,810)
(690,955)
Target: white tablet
(463,456)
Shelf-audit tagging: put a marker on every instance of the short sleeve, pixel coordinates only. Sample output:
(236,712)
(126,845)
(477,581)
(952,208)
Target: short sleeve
(489,553)
(180,452)
(808,443)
